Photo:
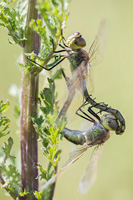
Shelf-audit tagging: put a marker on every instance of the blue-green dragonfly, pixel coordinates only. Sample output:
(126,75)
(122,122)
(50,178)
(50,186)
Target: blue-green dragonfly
(96,136)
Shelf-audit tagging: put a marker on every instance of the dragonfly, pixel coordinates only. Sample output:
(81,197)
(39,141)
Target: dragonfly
(96,136)
(79,57)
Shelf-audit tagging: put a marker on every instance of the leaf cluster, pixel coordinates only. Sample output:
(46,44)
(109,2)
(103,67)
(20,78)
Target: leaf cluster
(53,16)
(14,20)
(49,126)
(9,175)
(4,121)
(13,16)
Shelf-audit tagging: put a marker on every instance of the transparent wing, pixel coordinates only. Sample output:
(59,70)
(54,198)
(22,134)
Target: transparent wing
(89,176)
(73,157)
(79,75)
(97,48)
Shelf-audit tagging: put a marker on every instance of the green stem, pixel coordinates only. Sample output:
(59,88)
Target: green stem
(29,146)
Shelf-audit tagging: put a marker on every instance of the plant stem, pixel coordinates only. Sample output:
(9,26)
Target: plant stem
(12,194)
(53,185)
(29,146)
(71,93)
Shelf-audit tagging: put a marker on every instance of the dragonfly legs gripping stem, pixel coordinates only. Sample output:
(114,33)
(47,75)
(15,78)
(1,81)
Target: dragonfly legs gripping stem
(48,69)
(60,51)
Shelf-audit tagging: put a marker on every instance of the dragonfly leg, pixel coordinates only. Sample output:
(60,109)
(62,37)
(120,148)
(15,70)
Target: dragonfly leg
(59,50)
(61,46)
(93,113)
(48,69)
(101,106)
(63,39)
(84,115)
(90,108)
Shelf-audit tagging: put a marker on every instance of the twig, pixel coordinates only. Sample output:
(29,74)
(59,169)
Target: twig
(71,93)
(12,194)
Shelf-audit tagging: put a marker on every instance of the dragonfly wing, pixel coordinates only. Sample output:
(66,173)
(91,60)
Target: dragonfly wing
(79,75)
(97,48)
(89,175)
(73,157)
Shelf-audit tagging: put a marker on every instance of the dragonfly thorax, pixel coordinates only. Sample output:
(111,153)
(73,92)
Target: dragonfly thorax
(76,57)
(97,134)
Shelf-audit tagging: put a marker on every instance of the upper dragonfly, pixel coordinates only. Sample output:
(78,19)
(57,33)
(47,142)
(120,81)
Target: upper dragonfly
(78,57)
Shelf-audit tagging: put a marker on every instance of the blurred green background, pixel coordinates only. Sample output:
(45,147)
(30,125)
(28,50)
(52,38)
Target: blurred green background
(112,79)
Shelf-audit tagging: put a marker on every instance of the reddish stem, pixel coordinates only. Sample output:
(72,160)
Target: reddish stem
(29,146)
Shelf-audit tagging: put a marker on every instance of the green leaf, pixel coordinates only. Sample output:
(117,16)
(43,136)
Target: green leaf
(47,96)
(4,106)
(4,121)
(40,29)
(38,120)
(43,172)
(7,149)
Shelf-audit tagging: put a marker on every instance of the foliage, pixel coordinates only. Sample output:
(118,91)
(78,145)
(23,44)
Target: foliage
(4,121)
(53,16)
(49,127)
(14,20)
(52,19)
(9,175)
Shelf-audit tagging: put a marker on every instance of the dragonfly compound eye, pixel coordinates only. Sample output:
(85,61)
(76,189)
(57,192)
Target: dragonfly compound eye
(75,41)
(80,42)
(110,122)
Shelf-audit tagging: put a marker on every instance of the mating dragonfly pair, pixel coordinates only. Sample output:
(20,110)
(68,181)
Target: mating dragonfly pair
(112,120)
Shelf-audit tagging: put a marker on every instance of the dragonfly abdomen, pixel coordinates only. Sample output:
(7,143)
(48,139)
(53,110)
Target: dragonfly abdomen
(97,134)
(74,136)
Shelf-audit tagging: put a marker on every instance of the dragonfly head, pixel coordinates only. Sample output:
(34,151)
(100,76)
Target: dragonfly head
(110,122)
(75,41)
